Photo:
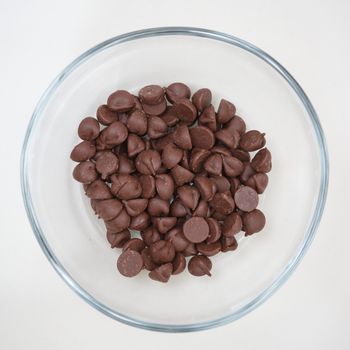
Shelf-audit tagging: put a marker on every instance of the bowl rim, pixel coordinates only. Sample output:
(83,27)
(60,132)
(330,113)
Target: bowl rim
(310,233)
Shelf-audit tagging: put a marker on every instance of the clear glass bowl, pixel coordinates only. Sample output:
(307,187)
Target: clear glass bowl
(268,98)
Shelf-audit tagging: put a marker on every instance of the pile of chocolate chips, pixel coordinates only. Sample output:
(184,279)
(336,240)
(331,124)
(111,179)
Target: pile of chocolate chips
(172,168)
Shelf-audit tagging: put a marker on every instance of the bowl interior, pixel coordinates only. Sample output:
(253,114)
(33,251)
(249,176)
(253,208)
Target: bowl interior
(77,239)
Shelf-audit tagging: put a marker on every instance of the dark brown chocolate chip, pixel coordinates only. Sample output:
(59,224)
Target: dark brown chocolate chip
(117,240)
(107,164)
(140,222)
(158,207)
(162,252)
(181,175)
(129,263)
(223,203)
(209,249)
(115,134)
(85,172)
(179,264)
(202,99)
(165,186)
(258,182)
(136,206)
(119,223)
(232,225)
(232,166)
(252,141)
(189,196)
(105,116)
(148,184)
(177,91)
(214,230)
(137,122)
(126,186)
(261,162)
(161,273)
(243,156)
(147,260)
(228,137)
(136,244)
(246,198)
(148,162)
(253,222)
(151,94)
(221,183)
(213,164)
(156,127)
(164,224)
(121,101)
(202,209)
(208,118)
(171,156)
(83,151)
(236,123)
(199,265)
(186,111)
(135,145)
(98,190)
(88,129)
(156,109)
(196,229)
(150,235)
(228,243)
(182,137)
(177,238)
(226,111)
(202,137)
(177,209)
(108,209)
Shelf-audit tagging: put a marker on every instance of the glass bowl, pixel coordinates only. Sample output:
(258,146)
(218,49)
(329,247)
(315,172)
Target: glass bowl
(266,96)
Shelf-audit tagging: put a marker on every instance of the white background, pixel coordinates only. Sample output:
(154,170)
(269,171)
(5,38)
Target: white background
(310,38)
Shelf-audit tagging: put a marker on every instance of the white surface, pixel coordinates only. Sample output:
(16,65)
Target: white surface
(310,38)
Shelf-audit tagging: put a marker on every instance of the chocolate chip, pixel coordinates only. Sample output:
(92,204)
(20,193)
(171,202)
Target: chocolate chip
(214,230)
(213,164)
(258,182)
(108,209)
(235,185)
(198,156)
(246,198)
(156,109)
(148,185)
(161,273)
(119,223)
(105,116)
(221,183)
(177,238)
(150,235)
(117,240)
(140,221)
(190,250)
(136,206)
(223,203)
(158,207)
(209,249)
(107,164)
(151,94)
(162,251)
(202,99)
(232,166)
(88,129)
(206,187)
(228,243)
(176,91)
(137,123)
(253,222)
(202,209)
(115,134)
(189,196)
(208,118)
(83,151)
(232,225)
(179,264)
(181,175)
(147,260)
(171,156)
(135,145)
(85,172)
(202,137)
(252,141)
(182,137)
(196,229)
(129,263)
(261,162)
(170,116)
(186,111)
(228,137)
(148,162)
(136,244)
(226,111)
(156,127)
(121,101)
(224,151)
(164,224)
(199,265)
(243,156)
(165,186)
(98,190)
(247,172)
(177,209)
(236,123)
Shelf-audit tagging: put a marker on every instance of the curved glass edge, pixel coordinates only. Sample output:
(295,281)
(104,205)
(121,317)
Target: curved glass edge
(284,275)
